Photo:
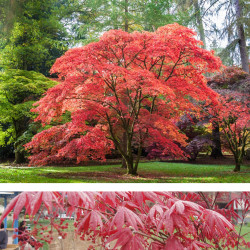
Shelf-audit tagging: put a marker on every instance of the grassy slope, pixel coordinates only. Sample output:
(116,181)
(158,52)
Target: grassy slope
(161,172)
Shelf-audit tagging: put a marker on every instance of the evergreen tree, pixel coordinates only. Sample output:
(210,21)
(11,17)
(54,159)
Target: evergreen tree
(34,37)
(95,17)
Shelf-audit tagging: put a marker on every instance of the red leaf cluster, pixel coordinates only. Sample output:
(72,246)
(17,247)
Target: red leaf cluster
(135,220)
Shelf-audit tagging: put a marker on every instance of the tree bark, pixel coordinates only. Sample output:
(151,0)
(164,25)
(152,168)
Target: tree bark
(124,146)
(131,169)
(126,16)
(241,34)
(200,22)
(216,150)
(19,157)
(237,167)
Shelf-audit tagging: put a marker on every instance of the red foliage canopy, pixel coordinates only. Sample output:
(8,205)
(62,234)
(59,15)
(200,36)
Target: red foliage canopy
(138,84)
(134,220)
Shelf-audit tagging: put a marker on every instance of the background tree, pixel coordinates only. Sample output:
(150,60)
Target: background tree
(35,38)
(221,25)
(236,25)
(32,36)
(18,91)
(241,35)
(199,140)
(233,118)
(91,18)
(145,220)
(231,83)
(190,13)
(123,84)
(8,14)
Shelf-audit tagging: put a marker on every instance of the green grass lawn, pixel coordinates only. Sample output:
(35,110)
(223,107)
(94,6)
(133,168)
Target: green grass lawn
(159,172)
(245,231)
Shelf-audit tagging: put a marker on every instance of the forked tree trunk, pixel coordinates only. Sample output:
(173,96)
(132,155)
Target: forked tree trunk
(131,162)
(130,168)
(237,145)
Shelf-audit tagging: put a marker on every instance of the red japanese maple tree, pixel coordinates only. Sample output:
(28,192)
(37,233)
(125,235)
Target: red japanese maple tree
(132,220)
(232,115)
(136,85)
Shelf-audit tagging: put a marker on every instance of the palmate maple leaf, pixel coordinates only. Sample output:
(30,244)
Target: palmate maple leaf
(113,198)
(126,240)
(92,221)
(216,224)
(125,216)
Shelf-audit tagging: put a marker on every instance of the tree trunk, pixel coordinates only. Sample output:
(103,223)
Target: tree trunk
(242,39)
(124,164)
(238,160)
(237,167)
(131,169)
(216,150)
(19,157)
(124,147)
(200,22)
(126,16)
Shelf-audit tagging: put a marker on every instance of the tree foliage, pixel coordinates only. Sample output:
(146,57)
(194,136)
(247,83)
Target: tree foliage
(18,91)
(137,83)
(141,220)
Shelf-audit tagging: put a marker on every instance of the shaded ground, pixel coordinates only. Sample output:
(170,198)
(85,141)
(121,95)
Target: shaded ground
(225,160)
(205,170)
